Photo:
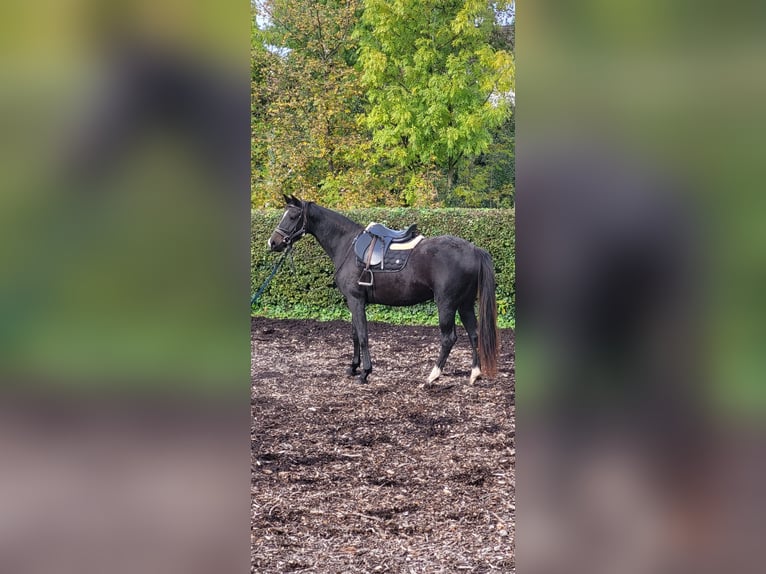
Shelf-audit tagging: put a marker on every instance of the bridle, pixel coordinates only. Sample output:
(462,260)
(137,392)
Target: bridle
(290,237)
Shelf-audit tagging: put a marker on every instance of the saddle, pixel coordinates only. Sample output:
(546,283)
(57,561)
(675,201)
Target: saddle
(382,249)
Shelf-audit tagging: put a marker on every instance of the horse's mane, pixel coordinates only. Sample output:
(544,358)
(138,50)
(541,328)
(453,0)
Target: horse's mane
(337,219)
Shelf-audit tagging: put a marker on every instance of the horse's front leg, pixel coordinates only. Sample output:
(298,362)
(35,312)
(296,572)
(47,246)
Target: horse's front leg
(355,361)
(359,325)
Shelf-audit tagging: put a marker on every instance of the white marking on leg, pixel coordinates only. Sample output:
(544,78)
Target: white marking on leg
(475,374)
(435,374)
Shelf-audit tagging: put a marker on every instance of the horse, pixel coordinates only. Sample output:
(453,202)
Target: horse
(446,269)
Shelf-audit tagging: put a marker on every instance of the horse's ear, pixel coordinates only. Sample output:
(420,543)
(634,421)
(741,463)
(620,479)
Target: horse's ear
(287,199)
(292,200)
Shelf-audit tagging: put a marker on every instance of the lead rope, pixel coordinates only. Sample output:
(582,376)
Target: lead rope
(277,265)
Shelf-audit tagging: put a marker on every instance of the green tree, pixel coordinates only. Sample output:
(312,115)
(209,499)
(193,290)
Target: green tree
(261,61)
(436,85)
(307,97)
(489,180)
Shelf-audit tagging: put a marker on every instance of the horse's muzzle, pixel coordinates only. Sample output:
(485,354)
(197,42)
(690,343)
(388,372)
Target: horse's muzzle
(276,243)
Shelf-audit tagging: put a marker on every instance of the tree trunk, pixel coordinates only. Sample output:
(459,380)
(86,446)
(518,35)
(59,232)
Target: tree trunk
(451,176)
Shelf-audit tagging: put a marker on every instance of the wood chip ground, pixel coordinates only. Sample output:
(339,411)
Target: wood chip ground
(383,477)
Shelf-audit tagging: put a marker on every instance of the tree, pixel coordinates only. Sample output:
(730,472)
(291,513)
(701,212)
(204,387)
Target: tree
(489,180)
(436,85)
(307,97)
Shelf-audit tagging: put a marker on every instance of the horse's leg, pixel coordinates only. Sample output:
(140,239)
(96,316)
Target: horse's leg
(468,317)
(359,322)
(354,368)
(448,336)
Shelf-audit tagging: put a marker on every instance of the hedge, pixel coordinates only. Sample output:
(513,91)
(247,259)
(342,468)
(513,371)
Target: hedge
(308,292)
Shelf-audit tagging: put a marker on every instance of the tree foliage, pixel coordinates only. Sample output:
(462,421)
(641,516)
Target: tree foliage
(489,180)
(364,102)
(307,139)
(436,85)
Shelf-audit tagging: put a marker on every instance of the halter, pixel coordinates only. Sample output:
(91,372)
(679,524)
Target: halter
(290,237)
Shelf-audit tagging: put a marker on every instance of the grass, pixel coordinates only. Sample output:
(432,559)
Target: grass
(423,314)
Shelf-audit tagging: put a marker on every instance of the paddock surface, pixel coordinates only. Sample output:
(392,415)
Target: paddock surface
(382,477)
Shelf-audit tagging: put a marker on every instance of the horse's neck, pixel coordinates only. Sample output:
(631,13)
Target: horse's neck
(333,231)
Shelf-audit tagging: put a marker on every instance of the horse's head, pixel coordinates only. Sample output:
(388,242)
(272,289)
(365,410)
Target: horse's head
(291,227)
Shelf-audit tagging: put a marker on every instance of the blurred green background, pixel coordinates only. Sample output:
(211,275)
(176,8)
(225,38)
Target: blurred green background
(124,246)
(680,86)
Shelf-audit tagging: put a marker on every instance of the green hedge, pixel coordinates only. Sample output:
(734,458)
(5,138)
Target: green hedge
(309,291)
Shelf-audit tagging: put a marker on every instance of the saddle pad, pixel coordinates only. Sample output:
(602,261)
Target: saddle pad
(407,245)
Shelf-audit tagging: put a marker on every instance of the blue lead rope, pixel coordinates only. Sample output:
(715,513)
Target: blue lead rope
(274,270)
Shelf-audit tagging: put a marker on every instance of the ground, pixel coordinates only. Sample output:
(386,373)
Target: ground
(382,477)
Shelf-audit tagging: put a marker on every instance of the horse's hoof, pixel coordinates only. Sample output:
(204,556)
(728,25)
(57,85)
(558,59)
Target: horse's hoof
(352,371)
(475,374)
(435,374)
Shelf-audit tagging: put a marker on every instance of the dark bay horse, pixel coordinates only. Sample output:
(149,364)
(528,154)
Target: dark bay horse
(449,270)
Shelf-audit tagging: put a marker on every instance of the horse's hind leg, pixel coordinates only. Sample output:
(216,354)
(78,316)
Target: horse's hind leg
(468,317)
(448,337)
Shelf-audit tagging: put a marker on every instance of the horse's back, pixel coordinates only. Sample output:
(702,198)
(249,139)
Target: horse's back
(451,263)
(439,266)
(450,251)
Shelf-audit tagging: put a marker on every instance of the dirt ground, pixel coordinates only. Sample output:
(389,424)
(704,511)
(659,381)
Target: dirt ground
(382,477)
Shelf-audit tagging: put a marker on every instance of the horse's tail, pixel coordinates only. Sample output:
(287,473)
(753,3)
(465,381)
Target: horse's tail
(488,335)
